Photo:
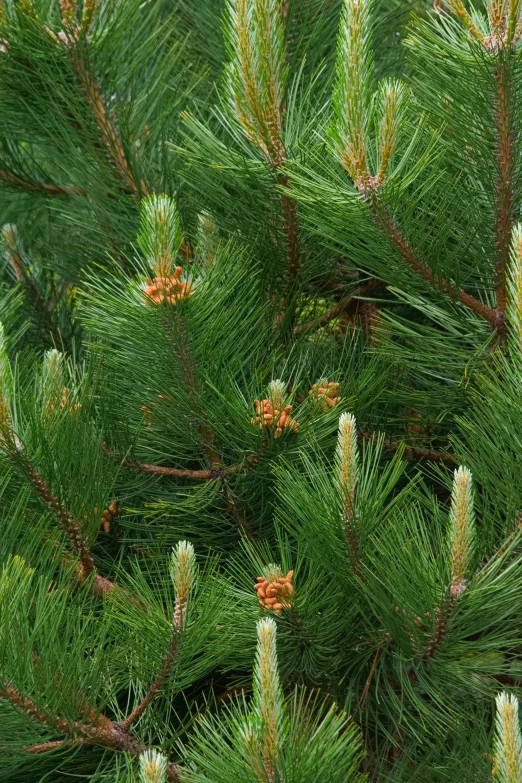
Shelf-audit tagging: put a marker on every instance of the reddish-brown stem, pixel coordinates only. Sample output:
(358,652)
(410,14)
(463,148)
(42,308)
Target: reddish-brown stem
(66,521)
(158,681)
(100,731)
(505,173)
(109,133)
(181,348)
(41,716)
(385,221)
(37,187)
(410,452)
(353,543)
(45,747)
(511,538)
(366,689)
(84,570)
(100,586)
(205,474)
(442,617)
(236,512)
(231,692)
(458,8)
(291,230)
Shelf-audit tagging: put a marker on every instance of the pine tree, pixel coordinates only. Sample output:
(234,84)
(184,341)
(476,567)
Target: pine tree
(260,396)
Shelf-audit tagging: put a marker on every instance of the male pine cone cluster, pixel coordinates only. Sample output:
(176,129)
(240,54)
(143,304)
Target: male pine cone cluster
(63,401)
(276,591)
(326,394)
(168,290)
(268,416)
(108,515)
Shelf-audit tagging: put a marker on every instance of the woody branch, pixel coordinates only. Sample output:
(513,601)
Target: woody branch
(97,730)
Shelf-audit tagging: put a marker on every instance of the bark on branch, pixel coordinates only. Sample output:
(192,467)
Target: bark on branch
(505,153)
(98,730)
(204,474)
(384,220)
(158,681)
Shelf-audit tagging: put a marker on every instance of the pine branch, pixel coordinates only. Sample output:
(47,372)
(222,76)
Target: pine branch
(257,77)
(109,133)
(41,716)
(236,512)
(66,521)
(442,616)
(366,689)
(291,227)
(45,747)
(154,689)
(37,187)
(514,287)
(505,151)
(508,740)
(84,570)
(205,474)
(384,220)
(269,703)
(71,36)
(102,731)
(461,545)
(183,576)
(353,98)
(458,8)
(410,452)
(23,276)
(89,9)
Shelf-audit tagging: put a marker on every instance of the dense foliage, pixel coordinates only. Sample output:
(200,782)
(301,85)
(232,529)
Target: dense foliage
(260,391)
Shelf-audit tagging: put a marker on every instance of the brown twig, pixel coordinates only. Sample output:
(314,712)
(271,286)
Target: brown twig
(236,512)
(385,221)
(410,452)
(161,677)
(291,230)
(442,616)
(84,570)
(110,135)
(100,731)
(353,542)
(364,695)
(24,277)
(37,187)
(45,747)
(205,474)
(70,526)
(505,174)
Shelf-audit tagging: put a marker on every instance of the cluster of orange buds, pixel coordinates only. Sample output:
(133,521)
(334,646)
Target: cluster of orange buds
(148,412)
(326,394)
(268,416)
(275,591)
(108,515)
(63,401)
(168,290)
